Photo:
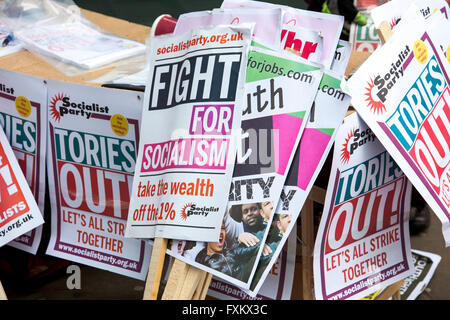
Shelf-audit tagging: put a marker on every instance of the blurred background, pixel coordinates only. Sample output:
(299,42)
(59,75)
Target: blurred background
(145,12)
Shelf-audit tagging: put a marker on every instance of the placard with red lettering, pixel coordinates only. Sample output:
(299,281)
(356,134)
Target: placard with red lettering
(19,212)
(190,120)
(402,92)
(273,121)
(364,38)
(93,143)
(328,25)
(23,117)
(307,42)
(362,243)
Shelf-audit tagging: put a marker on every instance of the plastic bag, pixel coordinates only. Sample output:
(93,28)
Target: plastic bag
(58,32)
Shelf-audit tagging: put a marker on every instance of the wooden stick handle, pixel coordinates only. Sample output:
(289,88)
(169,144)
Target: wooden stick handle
(384,31)
(176,279)
(191,282)
(200,285)
(2,293)
(206,284)
(155,269)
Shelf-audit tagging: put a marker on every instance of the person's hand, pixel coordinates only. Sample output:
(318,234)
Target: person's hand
(266,250)
(248,239)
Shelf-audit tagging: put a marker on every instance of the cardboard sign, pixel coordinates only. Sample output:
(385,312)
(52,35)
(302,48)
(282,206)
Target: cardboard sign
(425,264)
(393,11)
(328,25)
(364,38)
(192,110)
(363,239)
(277,285)
(23,117)
(402,92)
(308,43)
(93,140)
(267,22)
(273,121)
(329,108)
(19,212)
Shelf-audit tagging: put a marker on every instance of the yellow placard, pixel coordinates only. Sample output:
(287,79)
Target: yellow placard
(23,106)
(119,124)
(420,51)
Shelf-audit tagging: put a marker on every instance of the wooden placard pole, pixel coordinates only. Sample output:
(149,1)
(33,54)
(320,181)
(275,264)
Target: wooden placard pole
(205,286)
(391,291)
(186,282)
(175,282)
(155,269)
(384,31)
(2,293)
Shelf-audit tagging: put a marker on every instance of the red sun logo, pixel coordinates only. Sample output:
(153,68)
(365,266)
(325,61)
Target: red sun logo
(53,110)
(376,106)
(345,152)
(394,22)
(292,21)
(184,209)
(235,20)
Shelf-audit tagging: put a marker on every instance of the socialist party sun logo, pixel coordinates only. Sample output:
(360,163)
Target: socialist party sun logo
(184,214)
(345,151)
(235,20)
(53,109)
(375,105)
(394,22)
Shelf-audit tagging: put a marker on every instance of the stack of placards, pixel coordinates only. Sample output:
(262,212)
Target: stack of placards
(244,86)
(402,93)
(242,106)
(397,135)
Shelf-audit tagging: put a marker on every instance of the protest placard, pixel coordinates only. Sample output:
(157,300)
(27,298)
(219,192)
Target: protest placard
(93,140)
(328,25)
(425,264)
(19,212)
(364,38)
(392,11)
(329,108)
(273,122)
(267,22)
(23,117)
(363,239)
(192,110)
(277,285)
(341,58)
(402,93)
(307,42)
